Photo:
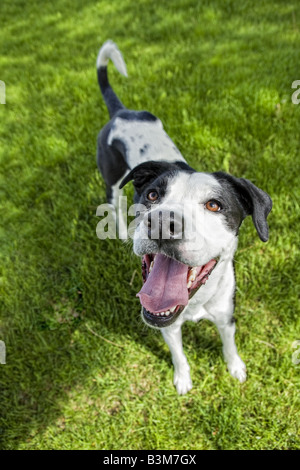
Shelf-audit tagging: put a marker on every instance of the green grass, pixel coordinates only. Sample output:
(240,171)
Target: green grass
(218,74)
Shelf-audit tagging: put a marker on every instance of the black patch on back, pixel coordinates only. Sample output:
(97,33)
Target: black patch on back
(111,158)
(119,145)
(136,115)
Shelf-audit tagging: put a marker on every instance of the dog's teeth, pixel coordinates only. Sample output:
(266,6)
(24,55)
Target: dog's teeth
(173,309)
(189,284)
(193,271)
(151,266)
(192,274)
(164,314)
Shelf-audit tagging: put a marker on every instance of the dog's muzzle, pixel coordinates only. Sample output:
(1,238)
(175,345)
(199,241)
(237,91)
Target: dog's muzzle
(164,225)
(168,287)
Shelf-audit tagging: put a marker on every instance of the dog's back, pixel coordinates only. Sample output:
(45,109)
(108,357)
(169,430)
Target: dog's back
(130,137)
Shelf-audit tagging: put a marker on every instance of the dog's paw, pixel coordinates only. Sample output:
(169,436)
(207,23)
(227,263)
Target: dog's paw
(237,369)
(183,382)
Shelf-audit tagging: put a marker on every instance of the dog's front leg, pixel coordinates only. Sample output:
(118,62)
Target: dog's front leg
(235,364)
(182,378)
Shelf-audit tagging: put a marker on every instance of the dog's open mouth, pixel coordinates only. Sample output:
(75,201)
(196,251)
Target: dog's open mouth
(168,287)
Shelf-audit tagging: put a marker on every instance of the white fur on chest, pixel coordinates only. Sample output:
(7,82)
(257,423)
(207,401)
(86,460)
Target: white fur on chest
(211,295)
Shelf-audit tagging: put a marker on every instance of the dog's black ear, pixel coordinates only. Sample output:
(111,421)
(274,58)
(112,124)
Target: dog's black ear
(254,202)
(143,174)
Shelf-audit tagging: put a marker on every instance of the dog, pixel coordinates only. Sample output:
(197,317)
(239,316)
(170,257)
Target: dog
(187,232)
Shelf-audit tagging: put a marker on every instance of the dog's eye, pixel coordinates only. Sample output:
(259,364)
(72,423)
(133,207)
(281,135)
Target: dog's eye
(152,196)
(213,206)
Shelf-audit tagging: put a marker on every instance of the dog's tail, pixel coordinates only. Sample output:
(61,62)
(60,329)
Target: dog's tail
(110,51)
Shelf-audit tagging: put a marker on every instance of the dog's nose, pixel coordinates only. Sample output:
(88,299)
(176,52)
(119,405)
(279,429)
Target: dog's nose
(164,225)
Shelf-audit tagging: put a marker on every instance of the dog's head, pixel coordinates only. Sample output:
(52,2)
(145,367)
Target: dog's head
(186,223)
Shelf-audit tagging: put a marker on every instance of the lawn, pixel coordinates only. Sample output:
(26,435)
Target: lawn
(82,371)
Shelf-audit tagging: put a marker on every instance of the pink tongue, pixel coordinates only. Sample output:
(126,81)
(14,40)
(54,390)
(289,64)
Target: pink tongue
(166,285)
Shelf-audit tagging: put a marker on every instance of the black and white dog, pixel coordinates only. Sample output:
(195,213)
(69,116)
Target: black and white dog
(188,231)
